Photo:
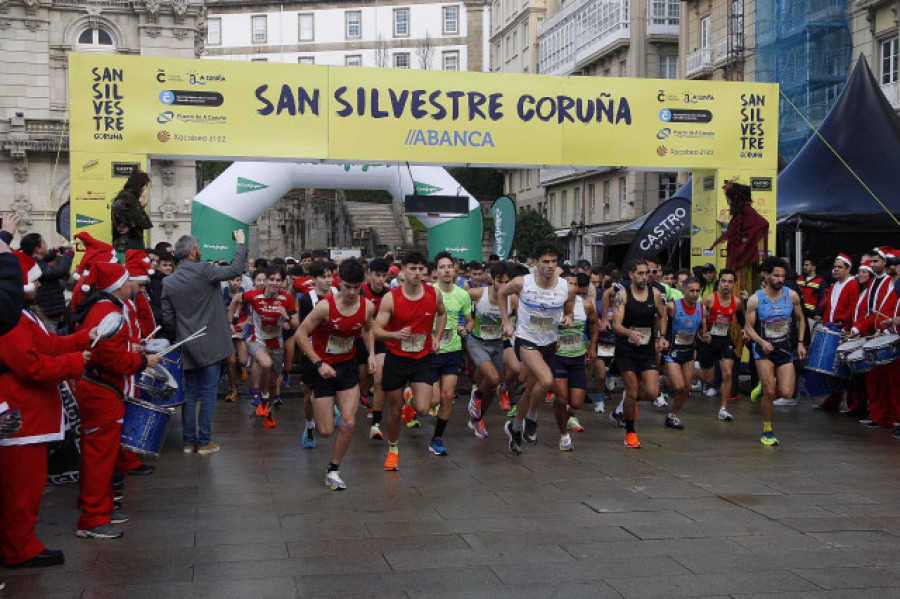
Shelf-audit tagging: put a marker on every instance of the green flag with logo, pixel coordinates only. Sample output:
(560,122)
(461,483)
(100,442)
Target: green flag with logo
(504,213)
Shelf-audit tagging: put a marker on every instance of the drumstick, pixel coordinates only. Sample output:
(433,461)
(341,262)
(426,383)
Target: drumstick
(196,335)
(147,338)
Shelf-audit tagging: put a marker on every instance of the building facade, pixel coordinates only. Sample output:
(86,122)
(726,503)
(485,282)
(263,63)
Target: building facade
(874,30)
(36,37)
(606,38)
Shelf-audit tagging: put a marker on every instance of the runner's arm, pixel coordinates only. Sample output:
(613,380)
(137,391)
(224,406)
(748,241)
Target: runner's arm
(619,314)
(369,329)
(750,323)
(569,307)
(799,316)
(594,325)
(441,313)
(236,302)
(385,311)
(513,287)
(315,318)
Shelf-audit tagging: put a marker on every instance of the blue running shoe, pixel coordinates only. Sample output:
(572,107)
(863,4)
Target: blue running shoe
(309,438)
(437,447)
(337,417)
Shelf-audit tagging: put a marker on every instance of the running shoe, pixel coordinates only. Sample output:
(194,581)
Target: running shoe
(756,393)
(337,417)
(104,531)
(333,481)
(724,415)
(734,398)
(866,422)
(231,397)
(118,517)
(515,437)
(269,421)
(254,399)
(434,411)
(407,414)
(365,402)
(504,400)
(711,392)
(784,401)
(618,418)
(243,374)
(565,443)
(896,433)
(674,422)
(437,447)
(631,441)
(369,413)
(375,432)
(610,382)
(768,438)
(277,403)
(309,438)
(261,410)
(697,386)
(479,428)
(414,423)
(474,405)
(407,395)
(660,402)
(512,412)
(550,397)
(530,433)
(574,425)
(392,463)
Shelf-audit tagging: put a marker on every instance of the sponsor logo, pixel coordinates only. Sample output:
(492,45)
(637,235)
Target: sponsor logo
(690,98)
(662,151)
(695,229)
(92,196)
(190,98)
(434,137)
(709,253)
(164,136)
(684,115)
(696,251)
(248,185)
(124,169)
(662,96)
(90,164)
(761,183)
(425,188)
(665,115)
(163,77)
(663,133)
(709,183)
(165,117)
(195,78)
(82,221)
(723,253)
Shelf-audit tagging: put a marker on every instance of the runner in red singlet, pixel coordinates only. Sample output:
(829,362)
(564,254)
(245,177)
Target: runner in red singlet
(715,345)
(334,325)
(374,291)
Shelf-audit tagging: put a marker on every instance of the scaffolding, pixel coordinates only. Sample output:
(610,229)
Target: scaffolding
(805,47)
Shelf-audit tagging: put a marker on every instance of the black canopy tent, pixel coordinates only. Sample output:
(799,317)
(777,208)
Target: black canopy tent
(819,197)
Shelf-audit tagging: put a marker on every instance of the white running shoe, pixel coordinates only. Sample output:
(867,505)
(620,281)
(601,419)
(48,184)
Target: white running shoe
(599,407)
(333,481)
(724,415)
(697,386)
(610,382)
(784,401)
(660,402)
(711,392)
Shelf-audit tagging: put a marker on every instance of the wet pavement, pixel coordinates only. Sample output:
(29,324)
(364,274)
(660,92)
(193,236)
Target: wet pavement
(704,512)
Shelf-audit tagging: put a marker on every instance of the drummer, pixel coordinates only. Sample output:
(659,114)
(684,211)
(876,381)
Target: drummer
(107,381)
(837,309)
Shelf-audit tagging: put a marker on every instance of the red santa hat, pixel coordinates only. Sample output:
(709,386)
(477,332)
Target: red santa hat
(866,266)
(31,272)
(845,259)
(94,251)
(138,264)
(106,277)
(884,251)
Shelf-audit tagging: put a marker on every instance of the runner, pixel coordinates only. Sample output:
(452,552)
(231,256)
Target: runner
(374,291)
(569,366)
(637,307)
(486,345)
(678,362)
(772,347)
(721,307)
(447,362)
(545,302)
(335,324)
(606,345)
(405,323)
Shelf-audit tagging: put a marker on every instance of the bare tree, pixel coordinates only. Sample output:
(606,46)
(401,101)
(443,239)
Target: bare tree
(381,53)
(425,51)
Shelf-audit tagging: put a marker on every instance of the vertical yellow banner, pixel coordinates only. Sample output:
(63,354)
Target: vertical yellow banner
(96,179)
(704,209)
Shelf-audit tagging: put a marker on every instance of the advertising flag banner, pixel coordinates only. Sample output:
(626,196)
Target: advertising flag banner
(96,179)
(503,212)
(661,230)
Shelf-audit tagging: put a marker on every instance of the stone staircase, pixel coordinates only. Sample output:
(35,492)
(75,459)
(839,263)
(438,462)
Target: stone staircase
(392,229)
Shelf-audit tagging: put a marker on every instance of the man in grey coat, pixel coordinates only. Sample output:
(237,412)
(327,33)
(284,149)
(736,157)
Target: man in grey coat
(191,300)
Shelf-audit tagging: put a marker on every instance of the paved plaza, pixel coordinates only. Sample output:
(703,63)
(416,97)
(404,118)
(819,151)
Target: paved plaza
(705,512)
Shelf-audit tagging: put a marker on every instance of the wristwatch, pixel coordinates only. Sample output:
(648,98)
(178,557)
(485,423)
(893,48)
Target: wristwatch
(318,364)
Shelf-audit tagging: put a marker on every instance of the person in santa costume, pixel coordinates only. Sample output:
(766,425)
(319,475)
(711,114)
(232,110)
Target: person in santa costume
(837,310)
(32,363)
(95,252)
(142,324)
(108,379)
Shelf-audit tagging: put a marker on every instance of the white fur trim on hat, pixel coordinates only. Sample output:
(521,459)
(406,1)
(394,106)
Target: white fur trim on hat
(85,288)
(139,278)
(117,284)
(29,288)
(845,259)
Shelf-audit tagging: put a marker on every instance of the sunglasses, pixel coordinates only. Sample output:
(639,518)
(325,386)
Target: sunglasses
(654,270)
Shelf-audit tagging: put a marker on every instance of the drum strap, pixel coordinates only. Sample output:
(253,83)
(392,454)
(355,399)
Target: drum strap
(93,376)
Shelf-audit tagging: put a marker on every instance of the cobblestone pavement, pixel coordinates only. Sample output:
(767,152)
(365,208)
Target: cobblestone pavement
(702,512)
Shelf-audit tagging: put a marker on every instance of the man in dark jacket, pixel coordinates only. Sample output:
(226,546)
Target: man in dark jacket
(55,265)
(129,215)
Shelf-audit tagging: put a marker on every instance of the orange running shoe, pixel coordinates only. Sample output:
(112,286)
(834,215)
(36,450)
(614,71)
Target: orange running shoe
(231,397)
(261,410)
(504,401)
(550,397)
(269,422)
(631,441)
(408,414)
(243,374)
(392,463)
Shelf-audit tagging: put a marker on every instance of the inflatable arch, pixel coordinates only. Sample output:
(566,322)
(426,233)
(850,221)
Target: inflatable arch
(237,197)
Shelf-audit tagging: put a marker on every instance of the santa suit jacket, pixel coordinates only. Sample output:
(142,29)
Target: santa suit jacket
(845,307)
(884,301)
(144,315)
(32,363)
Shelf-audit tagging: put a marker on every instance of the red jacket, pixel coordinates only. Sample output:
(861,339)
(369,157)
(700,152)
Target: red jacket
(884,302)
(845,308)
(33,361)
(144,315)
(114,364)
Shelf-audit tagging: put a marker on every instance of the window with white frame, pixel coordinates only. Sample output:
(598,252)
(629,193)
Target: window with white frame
(306,60)
(258,29)
(592,200)
(624,206)
(564,206)
(495,13)
(353,19)
(668,185)
(96,40)
(576,200)
(515,41)
(451,19)
(451,60)
(305,27)
(889,53)
(401,60)
(551,207)
(705,24)
(401,22)
(353,60)
(509,51)
(623,67)
(664,12)
(525,35)
(214,32)
(607,199)
(668,67)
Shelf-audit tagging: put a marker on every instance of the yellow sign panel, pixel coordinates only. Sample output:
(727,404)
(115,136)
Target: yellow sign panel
(96,179)
(177,107)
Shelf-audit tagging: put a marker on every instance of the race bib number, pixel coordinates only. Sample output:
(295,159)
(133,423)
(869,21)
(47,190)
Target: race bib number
(646,334)
(269,332)
(541,326)
(571,342)
(606,350)
(777,330)
(720,329)
(684,338)
(446,336)
(491,332)
(339,345)
(413,343)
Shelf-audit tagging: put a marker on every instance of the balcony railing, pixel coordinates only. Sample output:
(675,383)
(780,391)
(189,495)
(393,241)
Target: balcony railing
(892,93)
(579,33)
(698,62)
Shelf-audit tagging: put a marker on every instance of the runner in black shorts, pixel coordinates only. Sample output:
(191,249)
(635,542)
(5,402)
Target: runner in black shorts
(686,324)
(721,307)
